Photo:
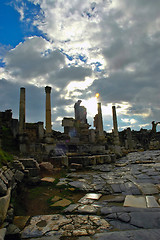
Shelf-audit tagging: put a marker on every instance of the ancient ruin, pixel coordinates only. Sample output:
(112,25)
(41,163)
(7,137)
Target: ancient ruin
(76,179)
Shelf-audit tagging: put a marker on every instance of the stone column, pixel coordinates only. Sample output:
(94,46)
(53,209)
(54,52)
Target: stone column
(22,111)
(48,110)
(129,142)
(115,126)
(40,130)
(100,121)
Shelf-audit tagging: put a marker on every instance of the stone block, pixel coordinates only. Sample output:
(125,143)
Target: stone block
(3,178)
(48,179)
(151,202)
(7,175)
(2,233)
(3,188)
(76,166)
(29,163)
(148,188)
(62,203)
(4,204)
(107,159)
(87,209)
(134,201)
(47,166)
(64,161)
(18,175)
(20,221)
(94,196)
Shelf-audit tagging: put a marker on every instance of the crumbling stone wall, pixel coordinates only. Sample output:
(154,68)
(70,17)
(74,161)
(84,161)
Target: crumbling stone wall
(11,175)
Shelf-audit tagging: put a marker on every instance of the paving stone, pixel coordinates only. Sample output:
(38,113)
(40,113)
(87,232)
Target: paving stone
(61,183)
(141,181)
(71,208)
(124,217)
(122,187)
(80,232)
(112,216)
(85,200)
(148,188)
(118,225)
(87,209)
(145,219)
(20,221)
(48,179)
(13,230)
(99,187)
(55,198)
(80,185)
(136,191)
(151,202)
(46,238)
(131,234)
(131,187)
(134,201)
(116,199)
(62,203)
(93,196)
(116,188)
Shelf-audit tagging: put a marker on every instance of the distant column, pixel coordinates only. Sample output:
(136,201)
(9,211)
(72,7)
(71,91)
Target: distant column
(48,110)
(100,121)
(115,126)
(22,111)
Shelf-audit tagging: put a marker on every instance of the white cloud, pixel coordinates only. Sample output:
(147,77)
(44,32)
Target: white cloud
(127,120)
(120,45)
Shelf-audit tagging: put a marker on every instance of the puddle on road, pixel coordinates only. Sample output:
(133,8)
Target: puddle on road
(113,200)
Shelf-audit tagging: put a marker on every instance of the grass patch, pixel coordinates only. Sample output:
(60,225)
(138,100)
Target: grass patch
(36,191)
(5,157)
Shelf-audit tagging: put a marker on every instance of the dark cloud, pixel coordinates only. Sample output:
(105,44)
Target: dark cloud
(32,59)
(66,75)
(35,101)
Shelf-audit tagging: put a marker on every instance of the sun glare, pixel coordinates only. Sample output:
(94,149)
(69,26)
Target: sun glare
(91,105)
(97,95)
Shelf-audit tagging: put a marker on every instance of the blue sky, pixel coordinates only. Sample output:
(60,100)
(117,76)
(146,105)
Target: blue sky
(79,48)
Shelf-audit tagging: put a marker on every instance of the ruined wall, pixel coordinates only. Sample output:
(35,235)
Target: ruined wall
(8,131)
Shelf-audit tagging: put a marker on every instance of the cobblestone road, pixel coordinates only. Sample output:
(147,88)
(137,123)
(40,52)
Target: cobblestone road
(121,201)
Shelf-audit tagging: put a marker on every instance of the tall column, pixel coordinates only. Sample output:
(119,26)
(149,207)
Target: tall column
(22,111)
(48,110)
(100,121)
(115,126)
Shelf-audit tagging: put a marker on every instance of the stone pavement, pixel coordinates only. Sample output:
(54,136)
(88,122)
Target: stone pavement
(121,201)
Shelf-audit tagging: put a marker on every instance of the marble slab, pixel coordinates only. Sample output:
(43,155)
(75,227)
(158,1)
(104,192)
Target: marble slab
(135,201)
(151,202)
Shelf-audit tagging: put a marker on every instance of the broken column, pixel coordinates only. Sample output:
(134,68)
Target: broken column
(48,110)
(98,122)
(80,112)
(129,143)
(22,111)
(115,126)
